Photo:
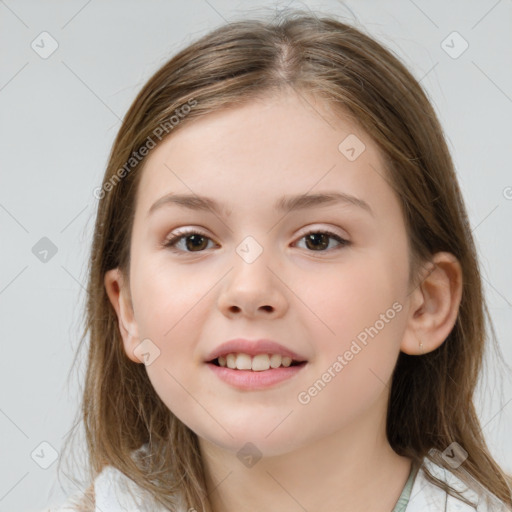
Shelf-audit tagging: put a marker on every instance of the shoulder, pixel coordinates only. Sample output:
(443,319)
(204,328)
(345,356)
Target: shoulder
(115,492)
(71,505)
(428,497)
(112,491)
(78,502)
(66,507)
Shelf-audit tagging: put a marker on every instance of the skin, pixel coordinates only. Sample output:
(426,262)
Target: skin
(331,453)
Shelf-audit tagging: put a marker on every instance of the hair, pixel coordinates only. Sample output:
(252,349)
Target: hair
(431,398)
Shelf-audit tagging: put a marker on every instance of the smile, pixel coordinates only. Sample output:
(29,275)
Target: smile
(251,373)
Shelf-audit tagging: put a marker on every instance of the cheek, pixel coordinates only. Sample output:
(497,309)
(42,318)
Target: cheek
(166,300)
(359,337)
(354,365)
(171,381)
(353,297)
(170,308)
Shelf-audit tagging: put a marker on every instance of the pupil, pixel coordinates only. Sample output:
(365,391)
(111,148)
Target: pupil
(315,237)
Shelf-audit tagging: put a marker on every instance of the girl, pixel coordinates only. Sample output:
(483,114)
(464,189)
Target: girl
(285,308)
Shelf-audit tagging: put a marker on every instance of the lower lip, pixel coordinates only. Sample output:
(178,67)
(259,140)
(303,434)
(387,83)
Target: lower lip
(249,379)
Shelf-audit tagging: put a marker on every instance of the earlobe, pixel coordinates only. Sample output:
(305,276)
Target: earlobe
(434,306)
(119,296)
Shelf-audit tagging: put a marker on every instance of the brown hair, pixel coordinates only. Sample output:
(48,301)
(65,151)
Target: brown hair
(431,400)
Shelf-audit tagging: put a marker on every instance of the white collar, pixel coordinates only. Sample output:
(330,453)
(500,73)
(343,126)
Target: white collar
(114,492)
(428,497)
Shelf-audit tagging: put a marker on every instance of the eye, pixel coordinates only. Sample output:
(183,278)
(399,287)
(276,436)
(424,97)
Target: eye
(318,240)
(194,241)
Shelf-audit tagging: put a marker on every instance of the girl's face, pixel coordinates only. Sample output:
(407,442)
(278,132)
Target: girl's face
(249,271)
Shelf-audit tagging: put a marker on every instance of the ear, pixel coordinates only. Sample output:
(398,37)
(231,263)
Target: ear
(434,305)
(119,295)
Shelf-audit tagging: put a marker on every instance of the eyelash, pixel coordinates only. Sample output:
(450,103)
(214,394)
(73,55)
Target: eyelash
(171,242)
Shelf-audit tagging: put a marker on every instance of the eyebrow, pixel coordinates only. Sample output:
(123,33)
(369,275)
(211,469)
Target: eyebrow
(283,204)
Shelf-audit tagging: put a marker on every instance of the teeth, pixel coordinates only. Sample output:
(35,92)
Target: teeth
(275,360)
(258,363)
(231,361)
(287,361)
(243,362)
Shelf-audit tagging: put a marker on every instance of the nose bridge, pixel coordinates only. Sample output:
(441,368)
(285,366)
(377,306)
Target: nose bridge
(250,250)
(251,286)
(251,262)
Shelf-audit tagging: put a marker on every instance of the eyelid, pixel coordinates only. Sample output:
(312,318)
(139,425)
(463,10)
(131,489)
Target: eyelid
(324,229)
(187,231)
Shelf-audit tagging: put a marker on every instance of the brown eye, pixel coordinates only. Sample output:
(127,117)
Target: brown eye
(318,241)
(193,242)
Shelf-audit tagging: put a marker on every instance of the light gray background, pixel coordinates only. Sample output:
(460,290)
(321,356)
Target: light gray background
(59,117)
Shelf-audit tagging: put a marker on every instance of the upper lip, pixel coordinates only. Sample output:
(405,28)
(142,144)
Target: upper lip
(252,348)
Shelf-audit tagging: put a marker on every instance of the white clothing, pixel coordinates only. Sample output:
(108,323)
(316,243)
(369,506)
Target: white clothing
(112,496)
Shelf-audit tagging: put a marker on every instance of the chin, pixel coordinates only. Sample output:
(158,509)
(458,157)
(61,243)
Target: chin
(253,440)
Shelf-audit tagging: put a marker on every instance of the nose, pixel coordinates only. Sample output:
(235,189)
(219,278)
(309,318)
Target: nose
(253,290)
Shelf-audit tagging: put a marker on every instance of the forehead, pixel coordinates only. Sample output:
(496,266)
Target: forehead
(251,155)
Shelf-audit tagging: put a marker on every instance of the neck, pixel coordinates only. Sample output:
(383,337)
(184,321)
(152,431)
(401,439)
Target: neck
(348,471)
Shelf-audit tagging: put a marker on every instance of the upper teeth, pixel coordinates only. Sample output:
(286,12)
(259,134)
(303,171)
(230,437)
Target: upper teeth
(257,363)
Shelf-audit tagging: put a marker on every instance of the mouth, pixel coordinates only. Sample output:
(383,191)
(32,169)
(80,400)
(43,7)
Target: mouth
(257,363)
(257,372)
